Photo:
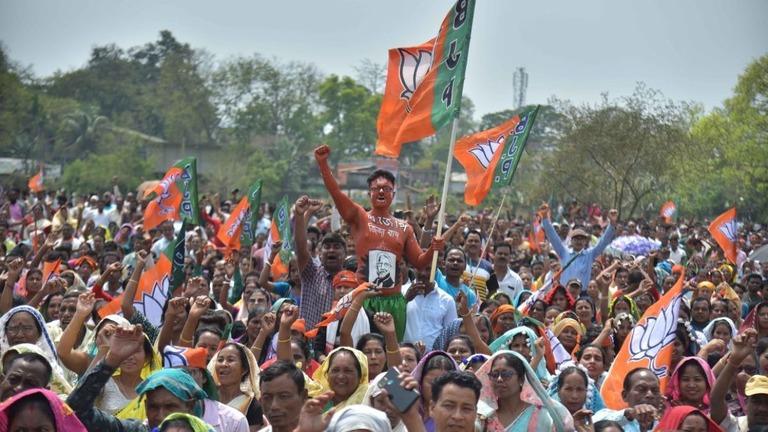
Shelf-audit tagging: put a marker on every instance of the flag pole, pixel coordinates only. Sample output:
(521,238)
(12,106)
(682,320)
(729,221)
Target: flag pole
(444,197)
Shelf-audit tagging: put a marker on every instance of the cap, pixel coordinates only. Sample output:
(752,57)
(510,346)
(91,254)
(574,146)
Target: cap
(179,357)
(579,233)
(575,281)
(345,278)
(300,325)
(756,385)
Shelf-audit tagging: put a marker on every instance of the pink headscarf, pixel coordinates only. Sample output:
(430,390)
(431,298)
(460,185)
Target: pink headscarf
(673,386)
(64,418)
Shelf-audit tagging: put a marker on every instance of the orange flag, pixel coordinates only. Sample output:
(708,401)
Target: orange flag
(36,182)
(407,68)
(175,198)
(436,99)
(229,232)
(668,210)
(649,345)
(723,229)
(490,157)
(50,269)
(340,308)
(151,294)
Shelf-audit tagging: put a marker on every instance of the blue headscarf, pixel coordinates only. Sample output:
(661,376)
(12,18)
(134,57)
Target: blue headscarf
(520,294)
(594,401)
(179,383)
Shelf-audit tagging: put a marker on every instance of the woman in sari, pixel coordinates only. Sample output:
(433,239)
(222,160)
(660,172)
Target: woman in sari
(690,384)
(569,332)
(576,391)
(24,324)
(721,328)
(503,319)
(38,409)
(524,341)
(236,372)
(345,372)
(512,398)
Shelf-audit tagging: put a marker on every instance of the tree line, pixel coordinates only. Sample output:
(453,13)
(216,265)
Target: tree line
(264,116)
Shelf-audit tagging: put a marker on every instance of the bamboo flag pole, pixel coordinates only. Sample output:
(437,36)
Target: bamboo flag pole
(487,242)
(444,198)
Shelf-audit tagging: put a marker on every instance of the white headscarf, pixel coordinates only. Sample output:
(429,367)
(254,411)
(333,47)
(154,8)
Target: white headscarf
(359,417)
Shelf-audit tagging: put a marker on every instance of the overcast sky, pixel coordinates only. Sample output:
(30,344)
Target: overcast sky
(689,49)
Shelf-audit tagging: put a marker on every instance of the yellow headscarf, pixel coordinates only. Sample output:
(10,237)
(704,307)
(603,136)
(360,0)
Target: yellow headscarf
(249,386)
(321,377)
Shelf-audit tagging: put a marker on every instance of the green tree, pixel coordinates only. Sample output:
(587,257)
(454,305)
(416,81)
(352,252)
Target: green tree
(93,172)
(729,165)
(349,112)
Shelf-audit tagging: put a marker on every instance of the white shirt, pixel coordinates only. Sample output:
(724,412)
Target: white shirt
(427,315)
(677,256)
(103,218)
(224,418)
(511,285)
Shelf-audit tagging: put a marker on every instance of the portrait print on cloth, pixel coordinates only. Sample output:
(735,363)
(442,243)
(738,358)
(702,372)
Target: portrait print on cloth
(382,268)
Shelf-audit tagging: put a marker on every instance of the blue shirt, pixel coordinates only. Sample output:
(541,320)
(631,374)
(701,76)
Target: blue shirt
(452,291)
(581,266)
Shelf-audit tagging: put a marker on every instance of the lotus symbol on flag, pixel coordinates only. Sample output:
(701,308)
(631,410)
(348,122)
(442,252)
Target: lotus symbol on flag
(484,152)
(414,65)
(650,337)
(728,228)
(151,304)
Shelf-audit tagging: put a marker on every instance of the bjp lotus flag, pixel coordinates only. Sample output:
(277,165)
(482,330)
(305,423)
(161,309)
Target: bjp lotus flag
(50,270)
(490,157)
(406,70)
(668,210)
(280,230)
(238,230)
(432,102)
(723,229)
(649,345)
(175,198)
(156,284)
(36,182)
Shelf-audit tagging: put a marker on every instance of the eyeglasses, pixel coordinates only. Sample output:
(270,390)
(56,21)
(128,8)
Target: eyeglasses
(27,330)
(749,370)
(505,375)
(383,188)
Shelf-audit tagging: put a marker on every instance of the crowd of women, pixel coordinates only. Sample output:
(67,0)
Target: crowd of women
(235,328)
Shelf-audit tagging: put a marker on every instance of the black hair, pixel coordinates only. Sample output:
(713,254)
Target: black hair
(304,347)
(500,244)
(412,347)
(211,319)
(464,338)
(333,238)
(762,346)
(439,361)
(487,303)
(602,425)
(380,173)
(627,385)
(369,337)
(280,368)
(178,423)
(681,333)
(699,299)
(358,368)
(474,231)
(187,307)
(36,400)
(238,329)
(30,357)
(315,230)
(513,361)
(456,248)
(202,330)
(460,379)
(570,370)
(593,346)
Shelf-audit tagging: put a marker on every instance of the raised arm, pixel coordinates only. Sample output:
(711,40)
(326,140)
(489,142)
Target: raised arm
(289,315)
(742,348)
(604,283)
(345,329)
(176,307)
(470,327)
(133,283)
(199,307)
(14,270)
(386,325)
(73,359)
(53,286)
(50,240)
(264,281)
(607,238)
(268,322)
(303,257)
(347,208)
(549,230)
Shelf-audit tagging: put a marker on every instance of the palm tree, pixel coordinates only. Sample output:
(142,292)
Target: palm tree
(79,134)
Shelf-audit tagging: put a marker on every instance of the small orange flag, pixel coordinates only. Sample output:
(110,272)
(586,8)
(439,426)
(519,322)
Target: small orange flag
(649,345)
(36,182)
(723,229)
(668,210)
(50,269)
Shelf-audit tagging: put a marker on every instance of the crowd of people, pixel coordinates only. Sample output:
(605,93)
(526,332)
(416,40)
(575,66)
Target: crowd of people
(358,331)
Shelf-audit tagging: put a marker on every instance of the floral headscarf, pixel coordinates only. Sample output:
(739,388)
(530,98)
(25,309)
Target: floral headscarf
(45,342)
(58,384)
(64,418)
(321,377)
(502,344)
(532,392)
(564,323)
(673,391)
(632,306)
(594,401)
